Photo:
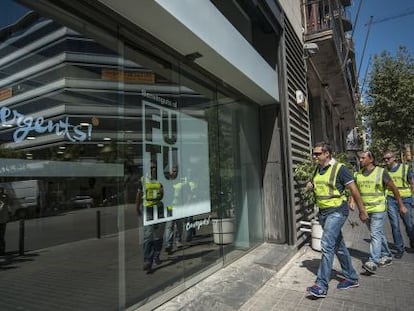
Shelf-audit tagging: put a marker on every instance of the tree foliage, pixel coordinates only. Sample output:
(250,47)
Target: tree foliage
(389,104)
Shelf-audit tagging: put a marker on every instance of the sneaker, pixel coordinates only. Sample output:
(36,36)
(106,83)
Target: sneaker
(316,291)
(385,261)
(398,255)
(345,284)
(370,267)
(169,250)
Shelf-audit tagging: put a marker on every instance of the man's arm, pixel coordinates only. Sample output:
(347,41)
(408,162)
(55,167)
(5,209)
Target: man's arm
(410,178)
(138,202)
(356,197)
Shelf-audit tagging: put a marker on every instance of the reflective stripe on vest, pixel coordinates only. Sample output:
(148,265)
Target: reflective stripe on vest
(152,192)
(371,189)
(327,195)
(399,177)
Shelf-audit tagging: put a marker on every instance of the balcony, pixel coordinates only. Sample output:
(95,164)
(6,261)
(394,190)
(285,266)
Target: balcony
(333,66)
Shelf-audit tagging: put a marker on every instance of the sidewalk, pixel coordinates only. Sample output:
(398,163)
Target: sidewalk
(249,285)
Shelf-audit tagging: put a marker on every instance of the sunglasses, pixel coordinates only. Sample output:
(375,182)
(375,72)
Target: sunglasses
(386,158)
(317,154)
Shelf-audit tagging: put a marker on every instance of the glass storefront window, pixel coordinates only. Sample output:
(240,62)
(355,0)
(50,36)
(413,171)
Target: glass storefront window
(115,171)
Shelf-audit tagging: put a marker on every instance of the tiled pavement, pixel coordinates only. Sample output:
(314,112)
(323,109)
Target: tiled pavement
(251,283)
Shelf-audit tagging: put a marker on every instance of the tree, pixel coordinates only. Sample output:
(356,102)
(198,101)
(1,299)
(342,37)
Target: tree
(389,105)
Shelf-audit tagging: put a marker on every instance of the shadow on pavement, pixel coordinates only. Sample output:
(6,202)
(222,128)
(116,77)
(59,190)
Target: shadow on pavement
(358,254)
(10,259)
(312,265)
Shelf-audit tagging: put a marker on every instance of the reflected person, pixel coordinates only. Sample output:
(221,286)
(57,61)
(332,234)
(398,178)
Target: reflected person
(148,202)
(4,218)
(182,194)
(173,227)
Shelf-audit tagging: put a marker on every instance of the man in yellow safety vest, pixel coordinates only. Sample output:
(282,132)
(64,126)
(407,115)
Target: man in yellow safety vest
(329,182)
(372,182)
(148,202)
(403,178)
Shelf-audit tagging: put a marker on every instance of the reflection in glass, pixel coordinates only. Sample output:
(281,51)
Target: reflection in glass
(114,174)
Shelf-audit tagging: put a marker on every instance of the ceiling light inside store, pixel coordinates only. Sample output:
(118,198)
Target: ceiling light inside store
(107,138)
(7,125)
(84,124)
(100,145)
(31,137)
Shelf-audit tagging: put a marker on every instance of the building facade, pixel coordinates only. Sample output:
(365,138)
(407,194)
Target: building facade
(332,83)
(103,100)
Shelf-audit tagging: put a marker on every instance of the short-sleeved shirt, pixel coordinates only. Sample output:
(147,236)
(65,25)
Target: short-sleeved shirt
(343,179)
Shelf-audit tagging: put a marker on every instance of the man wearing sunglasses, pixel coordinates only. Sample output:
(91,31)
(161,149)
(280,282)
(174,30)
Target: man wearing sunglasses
(403,178)
(329,182)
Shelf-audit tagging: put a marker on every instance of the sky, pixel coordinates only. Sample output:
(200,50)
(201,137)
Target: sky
(386,35)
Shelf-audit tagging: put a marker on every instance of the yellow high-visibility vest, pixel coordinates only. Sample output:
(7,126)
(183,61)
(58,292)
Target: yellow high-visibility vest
(372,190)
(399,177)
(326,192)
(152,192)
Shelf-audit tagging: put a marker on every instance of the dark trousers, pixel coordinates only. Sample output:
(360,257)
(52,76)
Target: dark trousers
(2,240)
(153,239)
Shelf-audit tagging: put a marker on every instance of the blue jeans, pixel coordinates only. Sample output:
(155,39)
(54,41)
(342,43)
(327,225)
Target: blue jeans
(332,243)
(153,238)
(394,217)
(378,246)
(169,231)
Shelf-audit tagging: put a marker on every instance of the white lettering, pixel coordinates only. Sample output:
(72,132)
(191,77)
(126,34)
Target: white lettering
(197,224)
(27,124)
(161,100)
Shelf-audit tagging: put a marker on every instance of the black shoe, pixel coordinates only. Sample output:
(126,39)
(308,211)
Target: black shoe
(169,250)
(398,255)
(157,261)
(147,266)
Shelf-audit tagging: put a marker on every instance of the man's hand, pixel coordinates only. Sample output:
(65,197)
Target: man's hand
(309,186)
(351,204)
(403,210)
(363,215)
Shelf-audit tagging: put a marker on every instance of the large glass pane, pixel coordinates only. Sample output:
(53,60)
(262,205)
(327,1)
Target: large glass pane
(116,167)
(239,180)
(62,156)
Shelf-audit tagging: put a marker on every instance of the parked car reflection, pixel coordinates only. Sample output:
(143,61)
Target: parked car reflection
(78,201)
